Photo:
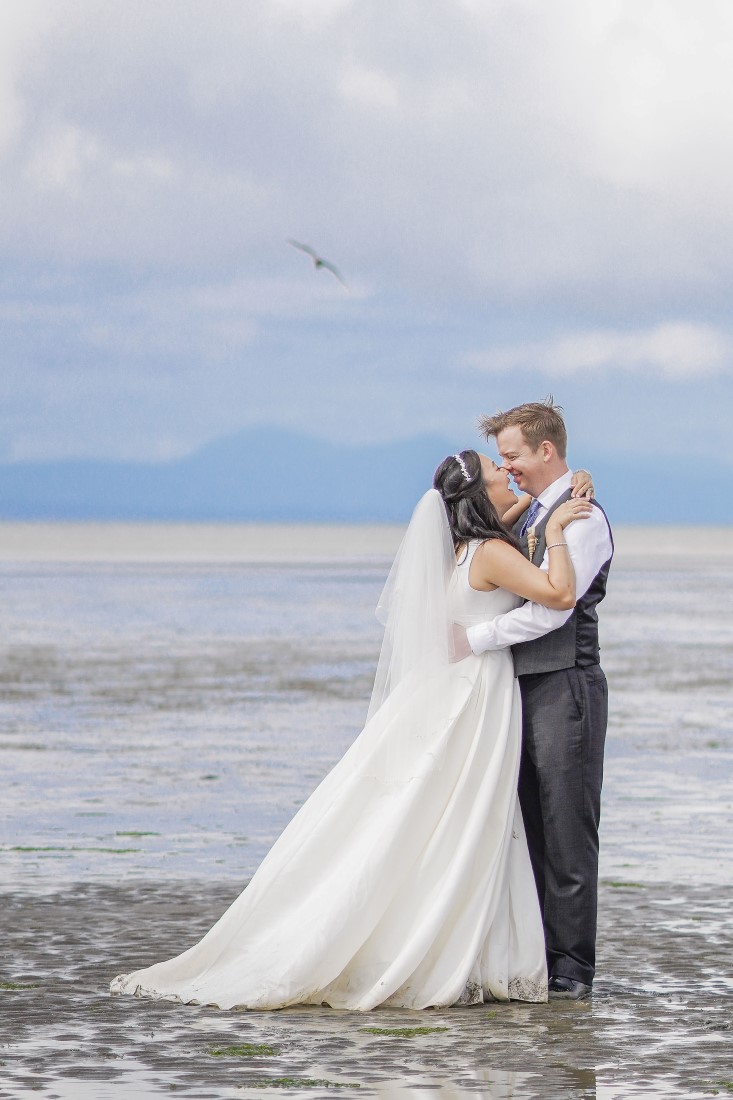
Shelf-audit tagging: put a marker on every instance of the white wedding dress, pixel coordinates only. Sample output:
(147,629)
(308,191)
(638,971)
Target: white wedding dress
(404,880)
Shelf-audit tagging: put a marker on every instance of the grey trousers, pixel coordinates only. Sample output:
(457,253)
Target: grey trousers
(564,722)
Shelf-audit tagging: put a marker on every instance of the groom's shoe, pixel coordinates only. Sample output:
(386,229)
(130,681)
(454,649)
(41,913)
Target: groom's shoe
(560,988)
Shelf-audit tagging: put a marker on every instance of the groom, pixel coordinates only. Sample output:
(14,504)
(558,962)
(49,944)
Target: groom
(564,697)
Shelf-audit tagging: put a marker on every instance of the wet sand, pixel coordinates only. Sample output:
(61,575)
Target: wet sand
(296,542)
(160,722)
(660,1022)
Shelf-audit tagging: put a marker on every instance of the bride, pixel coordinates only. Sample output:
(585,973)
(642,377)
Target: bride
(405,879)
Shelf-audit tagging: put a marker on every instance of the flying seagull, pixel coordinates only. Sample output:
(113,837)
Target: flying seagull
(318,261)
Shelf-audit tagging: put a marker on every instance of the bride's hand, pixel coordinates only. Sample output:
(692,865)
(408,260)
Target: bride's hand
(582,485)
(569,511)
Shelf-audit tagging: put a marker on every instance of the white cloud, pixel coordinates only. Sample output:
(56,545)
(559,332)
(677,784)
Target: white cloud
(369,87)
(63,159)
(471,167)
(675,350)
(522,150)
(315,13)
(22,26)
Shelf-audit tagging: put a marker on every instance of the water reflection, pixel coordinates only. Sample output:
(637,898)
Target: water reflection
(494,1084)
(159,725)
(169,719)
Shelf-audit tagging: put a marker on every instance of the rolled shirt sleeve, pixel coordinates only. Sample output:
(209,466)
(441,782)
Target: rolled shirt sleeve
(589,546)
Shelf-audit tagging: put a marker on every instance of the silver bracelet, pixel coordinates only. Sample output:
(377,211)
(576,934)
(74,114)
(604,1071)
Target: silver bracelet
(554,544)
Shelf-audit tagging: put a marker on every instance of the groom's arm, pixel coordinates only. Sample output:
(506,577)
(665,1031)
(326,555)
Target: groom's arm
(589,546)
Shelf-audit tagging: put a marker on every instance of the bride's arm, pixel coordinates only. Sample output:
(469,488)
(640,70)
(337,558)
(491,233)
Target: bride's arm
(511,516)
(498,563)
(581,485)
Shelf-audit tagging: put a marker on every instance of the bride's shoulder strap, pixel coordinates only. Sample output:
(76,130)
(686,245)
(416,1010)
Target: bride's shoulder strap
(491,550)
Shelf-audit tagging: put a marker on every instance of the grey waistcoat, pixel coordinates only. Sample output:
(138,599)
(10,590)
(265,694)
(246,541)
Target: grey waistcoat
(576,641)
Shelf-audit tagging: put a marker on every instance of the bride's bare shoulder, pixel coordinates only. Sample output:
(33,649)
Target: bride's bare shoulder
(495,549)
(490,555)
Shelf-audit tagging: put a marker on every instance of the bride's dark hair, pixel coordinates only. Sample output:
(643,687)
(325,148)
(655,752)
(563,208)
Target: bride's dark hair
(471,514)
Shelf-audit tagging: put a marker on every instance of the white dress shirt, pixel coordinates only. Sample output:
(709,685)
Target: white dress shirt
(589,546)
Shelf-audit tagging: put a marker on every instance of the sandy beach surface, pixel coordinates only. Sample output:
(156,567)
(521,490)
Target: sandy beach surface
(660,1022)
(292,542)
(167,701)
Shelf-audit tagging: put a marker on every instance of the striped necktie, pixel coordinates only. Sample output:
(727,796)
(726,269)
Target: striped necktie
(532,514)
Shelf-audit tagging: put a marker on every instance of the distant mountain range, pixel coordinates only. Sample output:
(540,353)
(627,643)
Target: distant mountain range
(269,474)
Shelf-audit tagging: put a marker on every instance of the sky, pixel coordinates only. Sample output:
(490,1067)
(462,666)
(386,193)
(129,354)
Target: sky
(523,197)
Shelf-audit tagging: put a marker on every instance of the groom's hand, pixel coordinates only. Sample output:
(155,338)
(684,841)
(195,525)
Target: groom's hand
(461,647)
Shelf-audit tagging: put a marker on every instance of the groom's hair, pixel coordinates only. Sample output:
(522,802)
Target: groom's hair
(537,420)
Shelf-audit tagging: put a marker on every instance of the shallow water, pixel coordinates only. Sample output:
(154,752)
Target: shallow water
(167,718)
(658,1025)
(166,703)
